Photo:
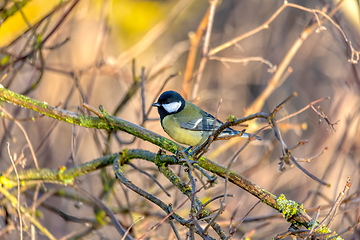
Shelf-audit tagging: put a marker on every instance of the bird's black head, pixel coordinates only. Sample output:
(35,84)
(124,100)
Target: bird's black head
(169,102)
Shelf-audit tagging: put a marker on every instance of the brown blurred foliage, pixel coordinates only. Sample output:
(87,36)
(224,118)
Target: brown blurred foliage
(89,59)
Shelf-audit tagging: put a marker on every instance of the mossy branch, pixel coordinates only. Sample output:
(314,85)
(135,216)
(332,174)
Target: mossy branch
(111,123)
(108,122)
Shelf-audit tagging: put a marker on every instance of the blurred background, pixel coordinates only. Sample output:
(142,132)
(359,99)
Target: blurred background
(94,51)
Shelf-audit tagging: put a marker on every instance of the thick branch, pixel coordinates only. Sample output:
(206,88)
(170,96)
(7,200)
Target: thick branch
(111,123)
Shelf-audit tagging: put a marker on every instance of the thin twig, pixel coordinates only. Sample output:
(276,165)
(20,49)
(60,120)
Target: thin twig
(94,110)
(176,232)
(205,50)
(330,216)
(151,177)
(129,228)
(33,208)
(232,232)
(314,225)
(101,205)
(348,229)
(223,203)
(272,67)
(143,104)
(25,135)
(195,208)
(194,42)
(25,213)
(18,191)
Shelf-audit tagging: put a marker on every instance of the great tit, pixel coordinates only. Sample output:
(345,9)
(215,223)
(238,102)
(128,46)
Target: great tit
(186,123)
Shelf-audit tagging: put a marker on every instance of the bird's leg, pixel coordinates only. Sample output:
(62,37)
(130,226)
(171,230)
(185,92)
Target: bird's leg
(185,156)
(195,150)
(186,151)
(199,150)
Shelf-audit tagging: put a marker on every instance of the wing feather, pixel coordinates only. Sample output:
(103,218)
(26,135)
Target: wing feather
(205,123)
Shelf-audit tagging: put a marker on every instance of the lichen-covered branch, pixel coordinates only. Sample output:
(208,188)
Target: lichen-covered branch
(111,123)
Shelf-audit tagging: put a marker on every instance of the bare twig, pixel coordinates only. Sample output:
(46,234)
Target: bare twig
(151,177)
(132,224)
(348,229)
(18,192)
(314,225)
(205,50)
(111,215)
(176,232)
(194,42)
(330,216)
(233,230)
(25,135)
(272,67)
(223,203)
(143,104)
(25,213)
(94,110)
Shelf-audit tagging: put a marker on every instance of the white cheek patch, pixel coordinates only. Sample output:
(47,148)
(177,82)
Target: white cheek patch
(172,107)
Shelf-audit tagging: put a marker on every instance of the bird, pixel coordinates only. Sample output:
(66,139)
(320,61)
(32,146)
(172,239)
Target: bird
(188,124)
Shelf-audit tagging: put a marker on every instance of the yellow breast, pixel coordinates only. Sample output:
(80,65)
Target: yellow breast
(180,135)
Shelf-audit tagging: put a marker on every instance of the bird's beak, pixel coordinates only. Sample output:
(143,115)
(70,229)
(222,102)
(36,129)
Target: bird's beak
(156,105)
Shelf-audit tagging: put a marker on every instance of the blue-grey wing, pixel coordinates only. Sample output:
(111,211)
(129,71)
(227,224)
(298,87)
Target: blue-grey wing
(205,123)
